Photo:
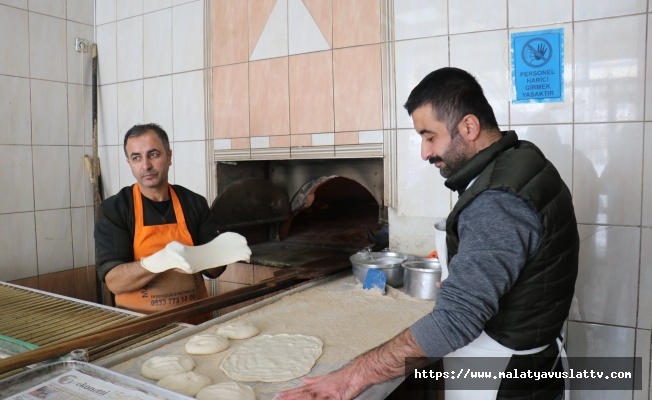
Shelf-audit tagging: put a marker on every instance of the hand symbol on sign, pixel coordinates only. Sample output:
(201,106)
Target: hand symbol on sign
(539,54)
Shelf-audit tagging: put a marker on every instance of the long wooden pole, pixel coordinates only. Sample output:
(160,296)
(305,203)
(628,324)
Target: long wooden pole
(97,198)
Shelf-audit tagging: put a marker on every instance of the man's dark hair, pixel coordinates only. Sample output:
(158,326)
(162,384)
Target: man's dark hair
(138,130)
(453,93)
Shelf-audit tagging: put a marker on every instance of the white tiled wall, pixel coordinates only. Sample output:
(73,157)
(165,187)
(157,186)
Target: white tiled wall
(188,106)
(157,96)
(153,72)
(129,47)
(487,55)
(188,36)
(45,120)
(157,43)
(609,79)
(420,18)
(152,67)
(410,70)
(599,138)
(599,152)
(534,12)
(15,122)
(130,106)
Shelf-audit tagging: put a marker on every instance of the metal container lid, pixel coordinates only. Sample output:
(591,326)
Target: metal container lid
(424,265)
(381,259)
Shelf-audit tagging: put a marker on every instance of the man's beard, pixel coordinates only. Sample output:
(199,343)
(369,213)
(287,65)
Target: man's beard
(454,157)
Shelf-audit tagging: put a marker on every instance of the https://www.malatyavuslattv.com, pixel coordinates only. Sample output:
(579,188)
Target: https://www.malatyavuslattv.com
(516,374)
(581,373)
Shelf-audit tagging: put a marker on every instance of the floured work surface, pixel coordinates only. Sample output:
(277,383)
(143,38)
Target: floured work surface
(348,319)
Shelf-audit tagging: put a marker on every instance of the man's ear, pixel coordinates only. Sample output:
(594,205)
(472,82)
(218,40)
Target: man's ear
(169,157)
(470,127)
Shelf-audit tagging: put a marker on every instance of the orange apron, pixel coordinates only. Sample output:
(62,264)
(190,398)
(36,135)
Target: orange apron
(170,288)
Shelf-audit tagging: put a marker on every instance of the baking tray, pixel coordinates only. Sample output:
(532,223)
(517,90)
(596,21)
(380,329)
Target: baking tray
(79,380)
(116,359)
(128,363)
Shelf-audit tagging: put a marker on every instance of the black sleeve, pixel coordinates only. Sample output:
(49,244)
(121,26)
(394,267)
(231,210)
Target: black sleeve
(114,232)
(115,226)
(200,222)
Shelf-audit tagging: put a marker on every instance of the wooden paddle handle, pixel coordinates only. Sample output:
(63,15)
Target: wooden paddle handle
(145,323)
(154,321)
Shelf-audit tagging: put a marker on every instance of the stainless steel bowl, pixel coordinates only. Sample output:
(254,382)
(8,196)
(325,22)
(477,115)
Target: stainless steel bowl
(421,277)
(388,262)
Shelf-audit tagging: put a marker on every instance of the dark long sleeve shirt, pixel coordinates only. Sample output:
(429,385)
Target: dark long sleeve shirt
(115,226)
(498,232)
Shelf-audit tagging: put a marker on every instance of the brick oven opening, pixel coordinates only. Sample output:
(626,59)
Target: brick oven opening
(335,211)
(293,212)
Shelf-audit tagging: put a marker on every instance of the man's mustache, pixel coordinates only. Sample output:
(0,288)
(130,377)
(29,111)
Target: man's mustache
(433,160)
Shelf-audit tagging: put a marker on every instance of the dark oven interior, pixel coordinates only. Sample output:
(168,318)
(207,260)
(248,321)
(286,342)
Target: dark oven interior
(296,211)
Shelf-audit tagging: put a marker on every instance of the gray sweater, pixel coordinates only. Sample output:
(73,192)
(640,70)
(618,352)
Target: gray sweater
(498,232)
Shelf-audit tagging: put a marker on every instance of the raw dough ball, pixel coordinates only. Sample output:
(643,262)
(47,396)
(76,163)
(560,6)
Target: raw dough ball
(272,358)
(238,330)
(227,391)
(206,343)
(161,366)
(188,383)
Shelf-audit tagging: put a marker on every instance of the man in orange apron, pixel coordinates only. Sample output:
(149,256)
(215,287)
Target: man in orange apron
(141,220)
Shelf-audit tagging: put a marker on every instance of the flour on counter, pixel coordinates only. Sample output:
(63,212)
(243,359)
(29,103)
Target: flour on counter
(346,318)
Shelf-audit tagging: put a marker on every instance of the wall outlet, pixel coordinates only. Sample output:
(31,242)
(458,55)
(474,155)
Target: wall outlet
(81,45)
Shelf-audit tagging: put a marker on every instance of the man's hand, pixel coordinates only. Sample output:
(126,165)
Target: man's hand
(169,257)
(375,366)
(336,385)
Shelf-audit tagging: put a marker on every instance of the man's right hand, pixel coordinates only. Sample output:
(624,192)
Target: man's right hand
(169,257)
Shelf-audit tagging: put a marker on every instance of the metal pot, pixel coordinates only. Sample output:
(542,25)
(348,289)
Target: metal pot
(388,262)
(421,276)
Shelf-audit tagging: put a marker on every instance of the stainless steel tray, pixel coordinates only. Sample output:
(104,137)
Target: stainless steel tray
(62,370)
(123,362)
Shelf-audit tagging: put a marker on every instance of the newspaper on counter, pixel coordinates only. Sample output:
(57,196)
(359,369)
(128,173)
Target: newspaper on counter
(73,385)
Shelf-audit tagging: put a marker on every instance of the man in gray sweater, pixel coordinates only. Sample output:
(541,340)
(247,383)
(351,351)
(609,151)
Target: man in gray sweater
(512,248)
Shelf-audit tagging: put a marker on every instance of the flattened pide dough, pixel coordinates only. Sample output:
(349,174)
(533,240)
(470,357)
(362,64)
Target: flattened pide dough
(188,383)
(206,343)
(159,367)
(238,330)
(227,248)
(227,391)
(272,358)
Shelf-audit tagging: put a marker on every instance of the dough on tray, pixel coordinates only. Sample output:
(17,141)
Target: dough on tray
(226,391)
(161,366)
(238,330)
(272,358)
(206,343)
(188,383)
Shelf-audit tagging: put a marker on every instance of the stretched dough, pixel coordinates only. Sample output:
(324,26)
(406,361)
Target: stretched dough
(227,248)
(188,383)
(161,366)
(238,330)
(206,343)
(272,358)
(226,391)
